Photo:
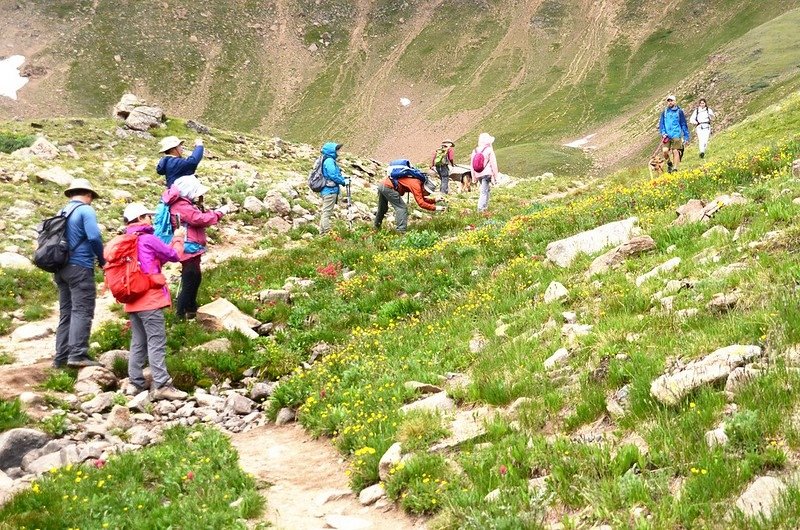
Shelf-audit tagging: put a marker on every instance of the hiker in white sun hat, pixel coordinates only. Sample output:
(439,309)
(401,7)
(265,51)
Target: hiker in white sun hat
(674,133)
(484,168)
(172,165)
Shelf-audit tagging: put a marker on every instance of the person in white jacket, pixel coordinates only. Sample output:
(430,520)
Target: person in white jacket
(701,118)
(489,172)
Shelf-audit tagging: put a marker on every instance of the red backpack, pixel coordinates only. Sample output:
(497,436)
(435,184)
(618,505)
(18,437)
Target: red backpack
(479,160)
(124,277)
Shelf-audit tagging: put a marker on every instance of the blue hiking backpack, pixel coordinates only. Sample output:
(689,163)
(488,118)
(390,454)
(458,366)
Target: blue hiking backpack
(162,223)
(402,168)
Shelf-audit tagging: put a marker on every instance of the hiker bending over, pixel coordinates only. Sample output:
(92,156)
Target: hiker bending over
(172,165)
(333,179)
(484,168)
(674,133)
(701,118)
(75,281)
(146,313)
(404,178)
(185,201)
(443,159)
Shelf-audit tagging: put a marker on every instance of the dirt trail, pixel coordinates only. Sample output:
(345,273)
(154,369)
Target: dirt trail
(302,472)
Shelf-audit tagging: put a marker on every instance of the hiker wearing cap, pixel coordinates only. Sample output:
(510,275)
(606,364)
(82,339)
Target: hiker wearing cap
(391,192)
(674,133)
(172,165)
(333,179)
(483,165)
(701,119)
(443,159)
(184,199)
(146,313)
(75,281)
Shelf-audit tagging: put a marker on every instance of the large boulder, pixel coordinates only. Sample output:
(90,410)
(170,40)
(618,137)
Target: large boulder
(564,251)
(16,443)
(761,497)
(221,315)
(390,458)
(253,205)
(12,260)
(467,425)
(435,402)
(555,292)
(125,106)
(669,389)
(656,271)
(145,118)
(278,225)
(42,148)
(277,204)
(32,331)
(616,256)
(57,175)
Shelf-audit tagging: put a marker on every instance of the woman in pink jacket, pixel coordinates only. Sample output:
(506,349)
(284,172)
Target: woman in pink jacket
(148,332)
(488,173)
(185,201)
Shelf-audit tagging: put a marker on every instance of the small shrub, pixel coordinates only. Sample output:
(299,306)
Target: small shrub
(11,415)
(6,358)
(419,429)
(112,336)
(56,425)
(60,381)
(419,239)
(10,142)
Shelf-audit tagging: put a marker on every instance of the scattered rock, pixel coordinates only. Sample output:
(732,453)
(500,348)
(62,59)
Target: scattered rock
(140,401)
(723,302)
(559,357)
(144,118)
(691,212)
(761,497)
(715,231)
(570,317)
(57,175)
(664,267)
(669,389)
(345,522)
(274,295)
(262,391)
(422,388)
(16,443)
(32,331)
(108,358)
(253,205)
(12,260)
(467,425)
(119,418)
(239,404)
(371,494)
(44,463)
(285,415)
(685,314)
(555,292)
(278,225)
(617,402)
(435,402)
(141,435)
(616,256)
(564,251)
(97,376)
(220,345)
(100,403)
(332,495)
(204,399)
(125,106)
(43,149)
(222,315)
(739,377)
(277,204)
(390,458)
(716,438)
(477,343)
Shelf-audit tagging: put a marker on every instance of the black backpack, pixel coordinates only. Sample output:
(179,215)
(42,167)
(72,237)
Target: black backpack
(316,178)
(53,251)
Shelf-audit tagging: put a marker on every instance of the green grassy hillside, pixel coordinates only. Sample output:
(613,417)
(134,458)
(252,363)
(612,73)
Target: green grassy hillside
(535,73)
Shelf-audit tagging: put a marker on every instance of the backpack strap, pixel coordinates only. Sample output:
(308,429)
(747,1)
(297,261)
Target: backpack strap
(67,216)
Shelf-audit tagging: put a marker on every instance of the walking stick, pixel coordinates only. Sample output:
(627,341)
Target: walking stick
(349,204)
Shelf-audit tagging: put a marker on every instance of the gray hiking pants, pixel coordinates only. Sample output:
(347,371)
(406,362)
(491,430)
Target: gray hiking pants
(386,196)
(76,299)
(483,199)
(444,176)
(328,203)
(148,345)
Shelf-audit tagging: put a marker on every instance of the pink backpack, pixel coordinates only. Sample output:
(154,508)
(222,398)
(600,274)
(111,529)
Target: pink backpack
(479,160)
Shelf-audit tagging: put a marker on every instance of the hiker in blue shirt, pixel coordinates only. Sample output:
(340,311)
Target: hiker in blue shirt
(674,133)
(333,179)
(76,287)
(172,165)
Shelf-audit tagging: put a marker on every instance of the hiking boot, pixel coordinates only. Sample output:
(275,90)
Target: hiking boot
(83,362)
(59,365)
(702,155)
(168,392)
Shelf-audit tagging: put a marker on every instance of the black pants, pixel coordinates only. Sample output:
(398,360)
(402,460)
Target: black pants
(190,284)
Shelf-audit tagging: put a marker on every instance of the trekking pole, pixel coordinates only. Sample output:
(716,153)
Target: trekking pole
(349,204)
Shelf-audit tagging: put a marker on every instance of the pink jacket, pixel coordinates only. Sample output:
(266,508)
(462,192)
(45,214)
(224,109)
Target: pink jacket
(195,220)
(153,253)
(485,142)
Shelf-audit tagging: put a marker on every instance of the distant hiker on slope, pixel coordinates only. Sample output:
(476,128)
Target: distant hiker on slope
(484,168)
(146,312)
(172,165)
(185,201)
(443,159)
(672,126)
(75,281)
(403,178)
(701,117)
(333,179)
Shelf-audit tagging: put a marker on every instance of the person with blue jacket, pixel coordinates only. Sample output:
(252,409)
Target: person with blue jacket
(75,281)
(333,179)
(674,133)
(172,165)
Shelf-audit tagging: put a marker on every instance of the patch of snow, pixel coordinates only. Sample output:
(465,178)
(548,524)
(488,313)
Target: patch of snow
(405,102)
(10,80)
(581,142)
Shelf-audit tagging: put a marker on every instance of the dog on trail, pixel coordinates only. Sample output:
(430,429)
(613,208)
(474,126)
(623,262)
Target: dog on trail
(657,162)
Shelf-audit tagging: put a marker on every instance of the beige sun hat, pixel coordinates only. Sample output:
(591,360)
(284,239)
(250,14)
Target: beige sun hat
(135,210)
(168,143)
(82,185)
(672,97)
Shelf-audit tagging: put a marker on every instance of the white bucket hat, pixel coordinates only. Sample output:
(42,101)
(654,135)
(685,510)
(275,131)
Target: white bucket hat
(168,143)
(190,188)
(135,210)
(672,97)
(82,185)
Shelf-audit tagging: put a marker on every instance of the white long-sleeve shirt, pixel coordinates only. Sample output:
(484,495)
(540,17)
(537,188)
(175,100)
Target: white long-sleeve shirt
(701,116)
